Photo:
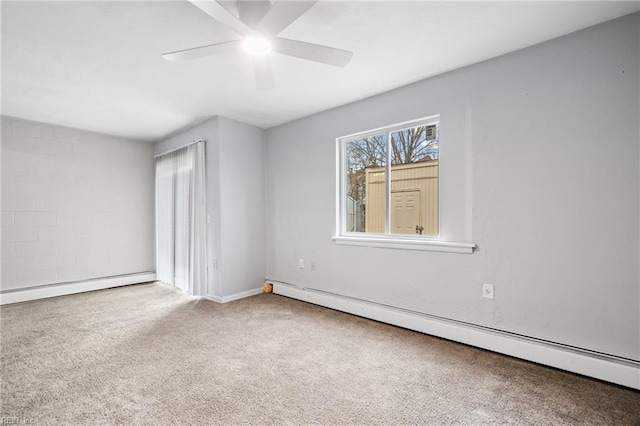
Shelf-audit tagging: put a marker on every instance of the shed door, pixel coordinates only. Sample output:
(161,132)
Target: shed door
(406,211)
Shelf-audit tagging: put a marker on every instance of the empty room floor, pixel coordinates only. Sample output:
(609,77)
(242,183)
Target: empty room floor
(145,354)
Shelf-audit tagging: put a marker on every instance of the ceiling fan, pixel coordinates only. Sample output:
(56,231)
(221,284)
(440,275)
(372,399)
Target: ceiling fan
(259,23)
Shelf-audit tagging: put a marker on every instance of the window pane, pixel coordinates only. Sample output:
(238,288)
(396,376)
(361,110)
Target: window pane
(414,181)
(365,172)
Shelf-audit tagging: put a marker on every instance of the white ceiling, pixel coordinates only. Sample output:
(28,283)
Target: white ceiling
(97,65)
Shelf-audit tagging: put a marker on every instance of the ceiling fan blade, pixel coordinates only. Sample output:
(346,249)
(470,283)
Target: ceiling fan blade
(222,15)
(312,52)
(262,73)
(202,51)
(282,14)
(251,12)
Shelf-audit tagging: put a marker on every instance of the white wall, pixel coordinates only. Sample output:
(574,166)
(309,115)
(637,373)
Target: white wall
(242,196)
(76,205)
(548,140)
(235,201)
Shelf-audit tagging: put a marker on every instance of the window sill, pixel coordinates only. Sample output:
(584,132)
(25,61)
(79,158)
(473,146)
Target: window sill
(405,244)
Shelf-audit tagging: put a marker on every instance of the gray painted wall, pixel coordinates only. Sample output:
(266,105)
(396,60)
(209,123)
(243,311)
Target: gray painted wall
(235,200)
(540,168)
(242,205)
(76,205)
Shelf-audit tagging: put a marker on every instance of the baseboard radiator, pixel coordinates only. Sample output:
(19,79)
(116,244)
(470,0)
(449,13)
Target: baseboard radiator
(61,289)
(610,368)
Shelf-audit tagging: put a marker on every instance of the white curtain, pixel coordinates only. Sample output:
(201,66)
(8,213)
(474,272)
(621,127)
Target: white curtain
(181,219)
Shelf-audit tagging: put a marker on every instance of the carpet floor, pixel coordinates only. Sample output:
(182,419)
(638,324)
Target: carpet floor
(145,354)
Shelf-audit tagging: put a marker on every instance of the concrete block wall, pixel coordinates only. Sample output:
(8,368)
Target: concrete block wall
(76,205)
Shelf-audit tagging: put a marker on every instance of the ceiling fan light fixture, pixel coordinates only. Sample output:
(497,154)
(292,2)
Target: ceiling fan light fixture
(257,46)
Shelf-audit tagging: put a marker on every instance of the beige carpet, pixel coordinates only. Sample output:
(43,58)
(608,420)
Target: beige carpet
(144,354)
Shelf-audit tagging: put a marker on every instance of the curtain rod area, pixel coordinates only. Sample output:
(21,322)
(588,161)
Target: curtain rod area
(180,147)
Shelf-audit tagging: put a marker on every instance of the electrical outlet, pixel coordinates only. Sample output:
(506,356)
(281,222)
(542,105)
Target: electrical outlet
(301,263)
(312,265)
(487,291)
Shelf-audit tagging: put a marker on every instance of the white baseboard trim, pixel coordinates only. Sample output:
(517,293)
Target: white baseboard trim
(242,295)
(62,289)
(599,366)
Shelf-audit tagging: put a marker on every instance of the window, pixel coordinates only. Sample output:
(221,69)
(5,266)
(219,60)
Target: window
(407,202)
(389,186)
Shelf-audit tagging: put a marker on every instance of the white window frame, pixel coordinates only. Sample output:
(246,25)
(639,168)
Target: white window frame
(388,240)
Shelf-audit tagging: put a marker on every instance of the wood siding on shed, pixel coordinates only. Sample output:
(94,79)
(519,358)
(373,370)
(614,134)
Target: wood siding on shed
(421,177)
